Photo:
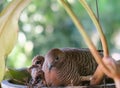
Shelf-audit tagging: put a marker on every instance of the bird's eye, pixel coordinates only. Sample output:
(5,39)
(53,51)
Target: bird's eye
(38,62)
(57,58)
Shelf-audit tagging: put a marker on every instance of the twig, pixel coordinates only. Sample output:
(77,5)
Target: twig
(98,26)
(84,34)
(108,65)
(96,79)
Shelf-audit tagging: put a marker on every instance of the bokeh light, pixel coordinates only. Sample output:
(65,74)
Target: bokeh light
(44,25)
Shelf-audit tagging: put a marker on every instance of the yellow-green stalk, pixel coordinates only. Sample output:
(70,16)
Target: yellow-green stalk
(9,30)
(83,33)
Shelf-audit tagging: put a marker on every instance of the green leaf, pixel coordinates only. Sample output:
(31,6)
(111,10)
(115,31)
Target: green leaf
(9,29)
(19,75)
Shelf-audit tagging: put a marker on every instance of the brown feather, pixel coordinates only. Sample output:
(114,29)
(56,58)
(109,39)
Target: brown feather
(68,64)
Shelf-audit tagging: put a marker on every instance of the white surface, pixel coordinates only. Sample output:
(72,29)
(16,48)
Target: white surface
(6,84)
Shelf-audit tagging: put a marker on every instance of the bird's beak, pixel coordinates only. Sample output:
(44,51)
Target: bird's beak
(50,66)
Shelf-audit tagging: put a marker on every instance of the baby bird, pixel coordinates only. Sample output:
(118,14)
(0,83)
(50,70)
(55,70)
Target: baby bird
(38,78)
(36,72)
(69,65)
(38,60)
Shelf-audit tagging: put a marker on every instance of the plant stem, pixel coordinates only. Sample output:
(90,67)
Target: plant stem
(102,37)
(98,26)
(84,34)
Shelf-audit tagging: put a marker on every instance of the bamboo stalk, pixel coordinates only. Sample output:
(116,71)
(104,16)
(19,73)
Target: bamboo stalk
(98,26)
(84,34)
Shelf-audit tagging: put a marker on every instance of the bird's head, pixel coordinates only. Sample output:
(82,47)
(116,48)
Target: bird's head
(55,58)
(38,60)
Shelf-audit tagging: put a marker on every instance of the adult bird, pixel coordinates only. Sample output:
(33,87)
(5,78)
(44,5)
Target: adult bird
(66,66)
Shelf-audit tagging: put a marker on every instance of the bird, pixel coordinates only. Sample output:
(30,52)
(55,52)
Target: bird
(66,66)
(36,72)
(38,60)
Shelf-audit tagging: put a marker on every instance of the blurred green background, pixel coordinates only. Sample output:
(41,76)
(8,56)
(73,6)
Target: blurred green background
(44,25)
